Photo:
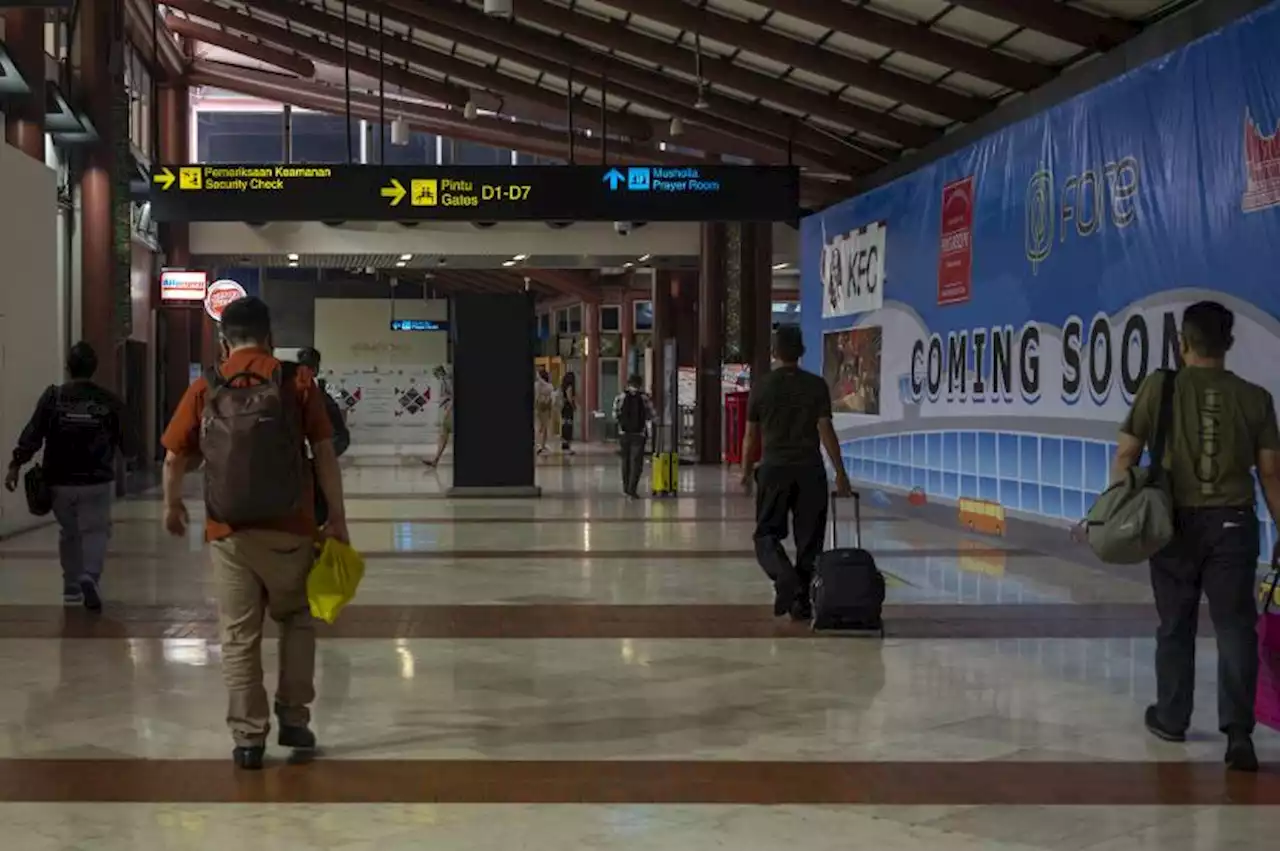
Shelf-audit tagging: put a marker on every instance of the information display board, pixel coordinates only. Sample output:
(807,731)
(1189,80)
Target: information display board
(278,193)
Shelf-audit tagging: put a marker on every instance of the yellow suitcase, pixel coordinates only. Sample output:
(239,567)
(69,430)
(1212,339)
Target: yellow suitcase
(666,474)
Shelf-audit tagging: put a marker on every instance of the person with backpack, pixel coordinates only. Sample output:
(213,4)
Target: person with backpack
(790,409)
(310,358)
(81,426)
(568,410)
(250,420)
(1219,428)
(632,411)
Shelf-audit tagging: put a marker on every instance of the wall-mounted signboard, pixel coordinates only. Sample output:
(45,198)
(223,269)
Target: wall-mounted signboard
(419,325)
(280,193)
(183,285)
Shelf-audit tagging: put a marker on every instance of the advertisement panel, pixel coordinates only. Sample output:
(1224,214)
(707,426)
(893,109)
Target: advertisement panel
(183,285)
(1041,273)
(852,270)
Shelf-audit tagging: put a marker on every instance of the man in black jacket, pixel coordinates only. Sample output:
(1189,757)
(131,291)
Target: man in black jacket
(81,427)
(310,358)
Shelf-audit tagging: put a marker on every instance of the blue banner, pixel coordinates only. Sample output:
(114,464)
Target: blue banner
(984,321)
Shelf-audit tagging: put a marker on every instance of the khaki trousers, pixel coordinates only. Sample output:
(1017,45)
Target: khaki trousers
(259,572)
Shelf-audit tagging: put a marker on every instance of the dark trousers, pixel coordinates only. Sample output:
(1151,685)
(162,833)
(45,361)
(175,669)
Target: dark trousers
(1215,552)
(795,495)
(632,446)
(566,426)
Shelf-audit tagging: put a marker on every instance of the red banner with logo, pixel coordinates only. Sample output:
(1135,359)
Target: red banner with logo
(955,263)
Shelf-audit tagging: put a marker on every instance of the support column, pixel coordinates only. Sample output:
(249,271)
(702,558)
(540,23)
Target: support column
(663,327)
(757,296)
(24,117)
(182,323)
(105,225)
(710,342)
(591,369)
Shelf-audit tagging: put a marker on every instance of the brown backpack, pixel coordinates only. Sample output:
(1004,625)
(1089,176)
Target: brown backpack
(251,439)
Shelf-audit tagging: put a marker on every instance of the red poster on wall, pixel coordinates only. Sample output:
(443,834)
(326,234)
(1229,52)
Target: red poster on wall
(955,262)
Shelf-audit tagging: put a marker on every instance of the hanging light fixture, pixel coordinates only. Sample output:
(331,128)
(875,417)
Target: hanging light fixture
(676,128)
(470,111)
(399,132)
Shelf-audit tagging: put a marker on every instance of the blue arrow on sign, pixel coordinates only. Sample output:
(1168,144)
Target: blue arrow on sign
(614,178)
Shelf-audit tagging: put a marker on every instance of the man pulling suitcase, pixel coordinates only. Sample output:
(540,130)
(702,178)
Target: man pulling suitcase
(791,410)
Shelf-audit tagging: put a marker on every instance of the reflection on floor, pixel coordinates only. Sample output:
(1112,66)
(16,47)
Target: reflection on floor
(581,671)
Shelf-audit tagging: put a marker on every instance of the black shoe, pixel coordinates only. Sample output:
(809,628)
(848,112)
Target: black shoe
(298,738)
(1240,753)
(1157,729)
(92,599)
(249,758)
(801,611)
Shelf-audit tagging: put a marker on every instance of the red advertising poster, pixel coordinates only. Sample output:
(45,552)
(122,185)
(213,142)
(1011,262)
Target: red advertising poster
(955,261)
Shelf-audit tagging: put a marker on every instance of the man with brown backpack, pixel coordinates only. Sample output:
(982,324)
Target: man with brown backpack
(249,421)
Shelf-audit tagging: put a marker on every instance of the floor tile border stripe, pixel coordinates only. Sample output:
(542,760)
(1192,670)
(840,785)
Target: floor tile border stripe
(350,781)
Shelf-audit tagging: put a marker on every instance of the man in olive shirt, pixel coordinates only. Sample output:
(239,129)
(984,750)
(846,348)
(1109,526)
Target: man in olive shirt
(792,409)
(1221,427)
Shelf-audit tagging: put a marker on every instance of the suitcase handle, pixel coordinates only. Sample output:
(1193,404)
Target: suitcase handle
(857,517)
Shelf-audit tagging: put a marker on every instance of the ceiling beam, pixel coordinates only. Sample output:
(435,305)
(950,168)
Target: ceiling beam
(320,51)
(809,57)
(585,114)
(555,55)
(616,35)
(1058,20)
(142,20)
(570,282)
(919,40)
(281,59)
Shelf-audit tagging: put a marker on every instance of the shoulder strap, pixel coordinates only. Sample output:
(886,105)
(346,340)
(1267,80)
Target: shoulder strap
(1164,424)
(213,377)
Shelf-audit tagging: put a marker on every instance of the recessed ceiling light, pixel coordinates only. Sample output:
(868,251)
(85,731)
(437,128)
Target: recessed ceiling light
(520,257)
(400,264)
(508,262)
(406,257)
(293,258)
(777,266)
(644,258)
(293,264)
(627,265)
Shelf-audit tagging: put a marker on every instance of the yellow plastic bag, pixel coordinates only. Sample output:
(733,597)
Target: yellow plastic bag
(333,580)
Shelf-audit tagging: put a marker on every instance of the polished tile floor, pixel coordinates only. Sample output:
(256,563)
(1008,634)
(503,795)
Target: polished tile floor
(581,671)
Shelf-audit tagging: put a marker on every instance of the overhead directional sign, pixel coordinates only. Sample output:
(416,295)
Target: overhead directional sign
(265,193)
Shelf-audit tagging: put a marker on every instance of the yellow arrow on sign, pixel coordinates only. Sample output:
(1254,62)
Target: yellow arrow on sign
(395,192)
(165,178)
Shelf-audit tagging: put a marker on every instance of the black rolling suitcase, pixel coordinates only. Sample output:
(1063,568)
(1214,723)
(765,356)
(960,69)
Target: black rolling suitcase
(848,588)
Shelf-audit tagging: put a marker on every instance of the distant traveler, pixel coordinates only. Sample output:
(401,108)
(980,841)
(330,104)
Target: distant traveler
(1222,426)
(310,358)
(249,421)
(791,410)
(633,411)
(568,408)
(445,421)
(544,408)
(81,427)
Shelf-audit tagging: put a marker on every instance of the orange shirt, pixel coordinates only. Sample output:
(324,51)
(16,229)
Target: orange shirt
(182,437)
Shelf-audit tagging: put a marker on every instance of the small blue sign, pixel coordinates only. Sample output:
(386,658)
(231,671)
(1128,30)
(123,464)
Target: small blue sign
(638,179)
(419,325)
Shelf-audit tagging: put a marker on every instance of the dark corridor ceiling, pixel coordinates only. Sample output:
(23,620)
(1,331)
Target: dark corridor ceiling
(839,87)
